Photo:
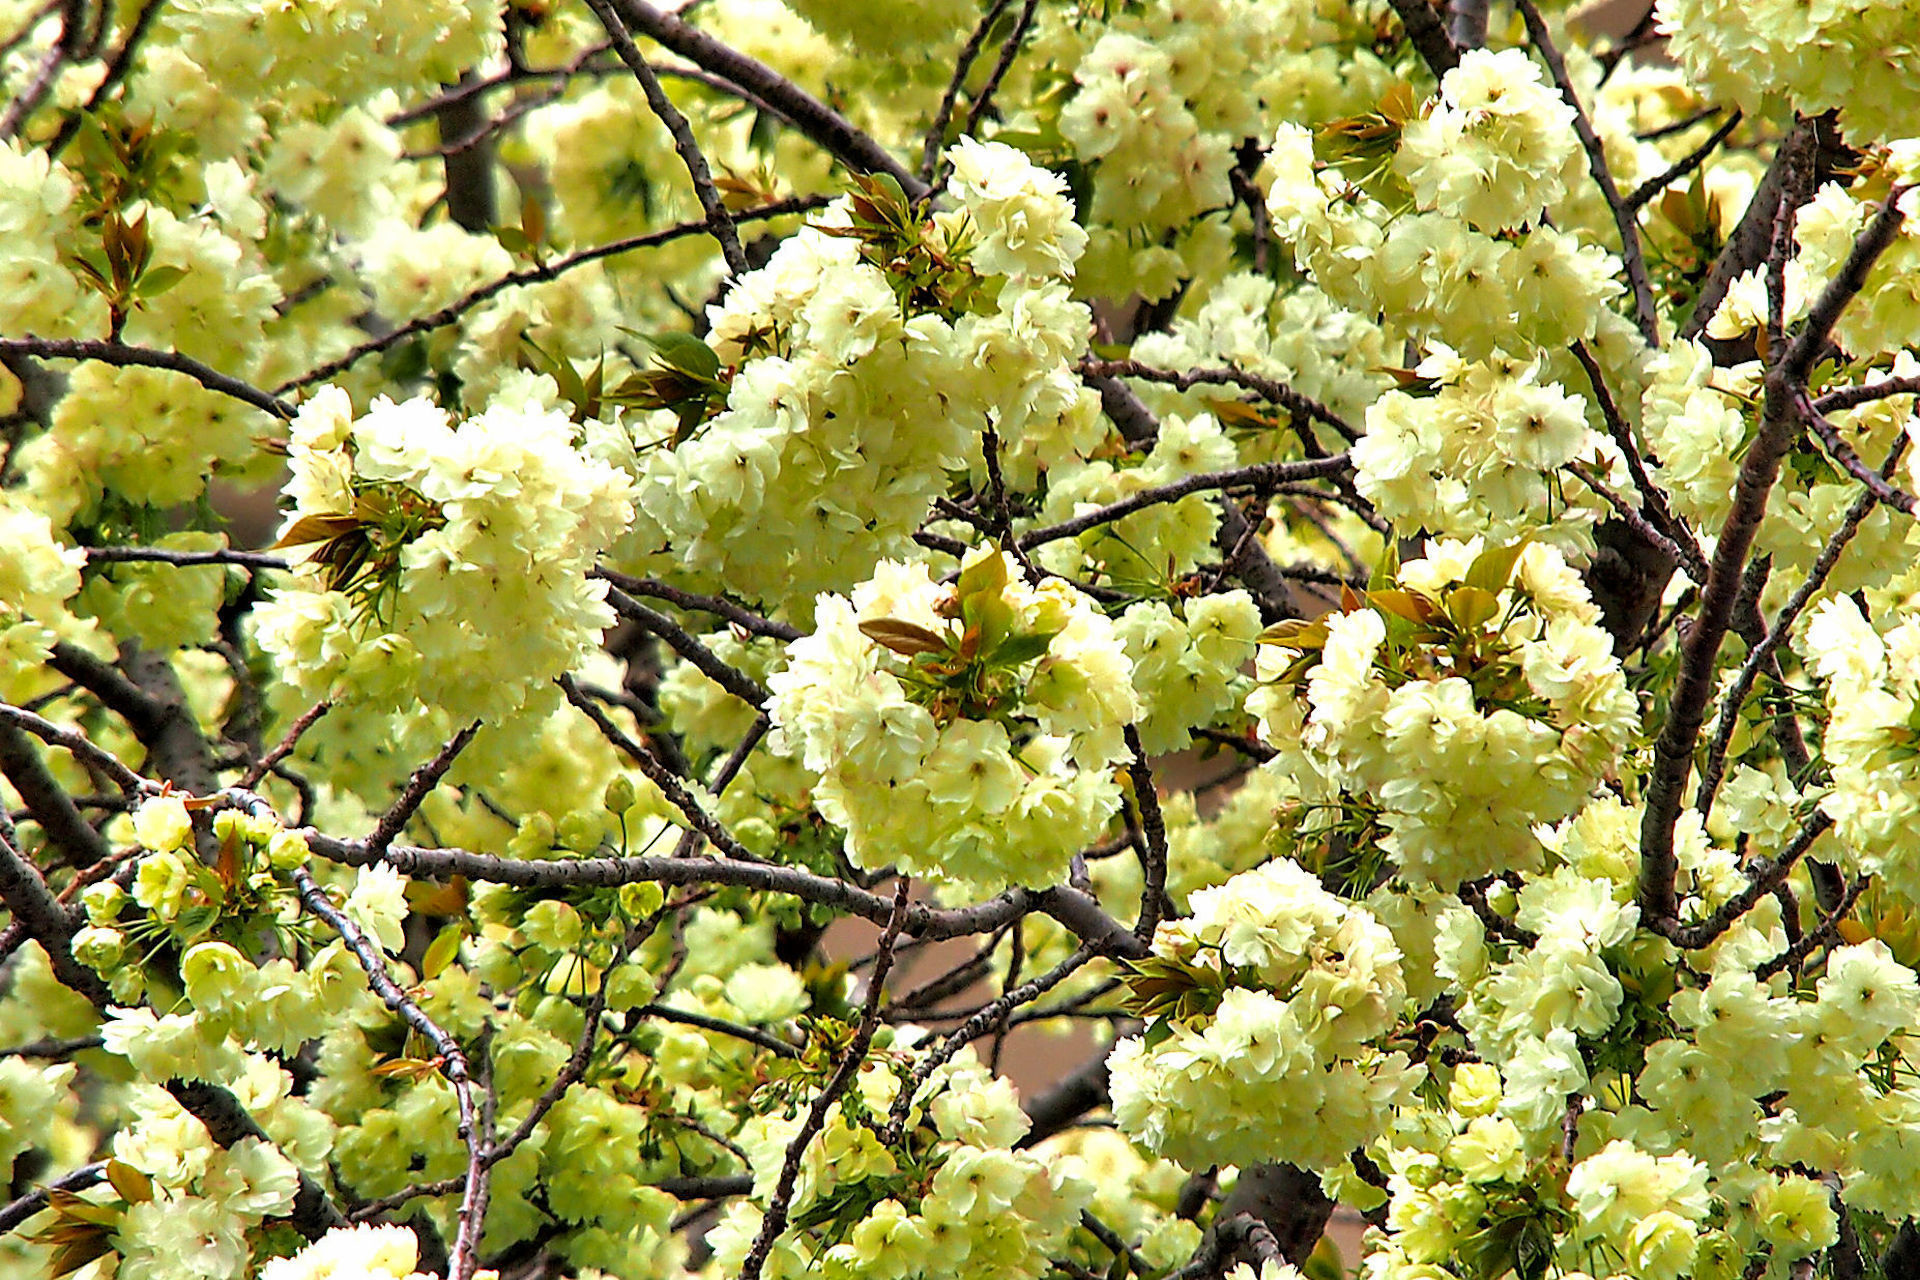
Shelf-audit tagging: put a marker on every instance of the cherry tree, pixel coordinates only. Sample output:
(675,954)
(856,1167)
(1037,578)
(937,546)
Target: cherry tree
(612,614)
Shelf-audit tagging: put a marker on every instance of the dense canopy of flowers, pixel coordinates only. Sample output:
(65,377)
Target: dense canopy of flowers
(615,617)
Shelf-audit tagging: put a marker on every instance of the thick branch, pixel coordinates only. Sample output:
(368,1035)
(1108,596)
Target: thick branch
(1754,232)
(1428,35)
(68,829)
(1075,910)
(93,756)
(45,920)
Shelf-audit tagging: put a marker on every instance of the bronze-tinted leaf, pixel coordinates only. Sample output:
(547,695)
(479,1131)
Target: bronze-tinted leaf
(902,637)
(310,529)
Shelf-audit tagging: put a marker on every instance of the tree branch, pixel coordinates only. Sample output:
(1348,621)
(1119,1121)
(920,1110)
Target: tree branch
(1261,475)
(739,615)
(1632,258)
(689,647)
(779,1208)
(1271,390)
(453,1059)
(719,220)
(1428,35)
(1784,389)
(1077,911)
(539,273)
(812,117)
(121,355)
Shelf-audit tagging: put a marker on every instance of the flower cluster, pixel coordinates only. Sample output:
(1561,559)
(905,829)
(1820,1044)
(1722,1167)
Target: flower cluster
(197,914)
(1537,1011)
(1872,741)
(37,291)
(1475,699)
(842,382)
(1855,55)
(967,732)
(1161,99)
(1480,451)
(953,1198)
(441,563)
(37,578)
(1495,148)
(1472,263)
(224,60)
(1186,665)
(1265,1006)
(1821,1070)
(1299,337)
(353,1253)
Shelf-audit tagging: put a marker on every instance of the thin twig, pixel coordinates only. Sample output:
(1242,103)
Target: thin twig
(419,787)
(779,1208)
(1153,827)
(539,273)
(1849,397)
(1686,547)
(1631,255)
(18,1211)
(53,1050)
(963,66)
(739,615)
(972,1029)
(1009,49)
(689,647)
(1748,243)
(117,68)
(284,748)
(719,220)
(662,777)
(1680,168)
(1842,453)
(720,1026)
(813,118)
(1261,475)
(1761,882)
(1272,390)
(1829,928)
(453,1065)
